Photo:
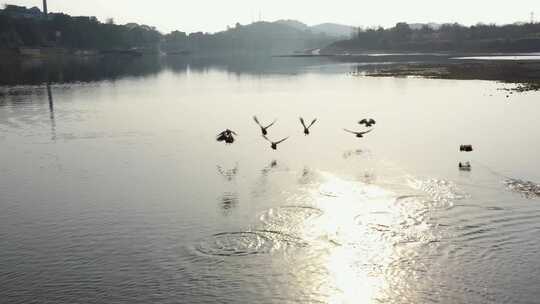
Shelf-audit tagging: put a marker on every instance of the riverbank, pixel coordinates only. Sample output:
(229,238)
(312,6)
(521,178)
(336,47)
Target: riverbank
(526,74)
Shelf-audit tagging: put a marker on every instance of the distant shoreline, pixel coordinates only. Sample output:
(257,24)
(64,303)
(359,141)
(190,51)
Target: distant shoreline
(526,74)
(84,66)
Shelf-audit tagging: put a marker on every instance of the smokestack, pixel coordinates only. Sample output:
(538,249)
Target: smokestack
(45,7)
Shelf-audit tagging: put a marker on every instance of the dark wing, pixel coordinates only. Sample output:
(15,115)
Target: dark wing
(221,134)
(350,131)
(372,121)
(303,123)
(271,124)
(264,136)
(363,121)
(257,120)
(365,132)
(278,142)
(312,123)
(234,133)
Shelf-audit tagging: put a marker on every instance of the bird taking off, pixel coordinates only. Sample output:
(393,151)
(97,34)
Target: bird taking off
(358,134)
(367,122)
(264,130)
(226,136)
(274,144)
(306,128)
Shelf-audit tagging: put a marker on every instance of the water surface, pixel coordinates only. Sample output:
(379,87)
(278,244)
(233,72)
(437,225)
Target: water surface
(517,57)
(114,190)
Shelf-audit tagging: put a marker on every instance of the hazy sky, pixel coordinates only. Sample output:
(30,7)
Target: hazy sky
(215,15)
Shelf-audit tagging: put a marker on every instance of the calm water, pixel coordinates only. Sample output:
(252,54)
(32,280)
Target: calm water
(115,190)
(503,58)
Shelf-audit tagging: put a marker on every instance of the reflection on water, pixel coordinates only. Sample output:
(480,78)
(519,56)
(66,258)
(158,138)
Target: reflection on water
(228,201)
(118,190)
(36,71)
(355,153)
(51,110)
(228,174)
(271,167)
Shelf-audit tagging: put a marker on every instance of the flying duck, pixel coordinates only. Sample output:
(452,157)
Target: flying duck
(226,136)
(264,130)
(359,134)
(274,144)
(306,128)
(367,122)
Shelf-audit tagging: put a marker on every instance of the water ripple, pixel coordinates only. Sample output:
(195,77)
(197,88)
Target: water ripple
(245,243)
(236,244)
(440,190)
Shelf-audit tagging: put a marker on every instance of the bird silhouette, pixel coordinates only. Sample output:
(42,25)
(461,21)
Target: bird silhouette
(466,148)
(359,134)
(367,122)
(264,129)
(306,129)
(274,144)
(226,136)
(466,166)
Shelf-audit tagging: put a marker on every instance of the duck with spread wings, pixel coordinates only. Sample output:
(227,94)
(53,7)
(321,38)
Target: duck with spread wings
(358,134)
(264,130)
(306,128)
(273,144)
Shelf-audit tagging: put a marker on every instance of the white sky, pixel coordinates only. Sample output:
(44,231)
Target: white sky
(215,15)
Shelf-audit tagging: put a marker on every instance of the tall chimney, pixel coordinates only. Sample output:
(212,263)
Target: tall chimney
(45,7)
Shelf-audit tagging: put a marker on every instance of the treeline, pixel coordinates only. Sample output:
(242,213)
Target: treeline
(61,30)
(271,37)
(22,27)
(448,37)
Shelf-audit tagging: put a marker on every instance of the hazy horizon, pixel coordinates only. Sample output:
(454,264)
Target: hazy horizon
(206,16)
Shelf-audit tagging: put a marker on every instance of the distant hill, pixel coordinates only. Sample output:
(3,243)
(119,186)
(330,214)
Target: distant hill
(334,29)
(294,24)
(282,37)
(329,29)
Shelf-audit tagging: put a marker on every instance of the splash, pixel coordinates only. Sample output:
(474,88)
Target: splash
(526,188)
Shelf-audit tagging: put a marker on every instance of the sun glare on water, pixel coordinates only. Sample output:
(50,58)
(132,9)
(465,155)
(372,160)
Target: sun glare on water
(357,242)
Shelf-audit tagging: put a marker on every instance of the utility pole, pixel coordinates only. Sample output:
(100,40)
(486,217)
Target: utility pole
(45,12)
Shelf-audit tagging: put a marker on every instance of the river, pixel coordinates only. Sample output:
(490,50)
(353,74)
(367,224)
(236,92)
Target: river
(113,188)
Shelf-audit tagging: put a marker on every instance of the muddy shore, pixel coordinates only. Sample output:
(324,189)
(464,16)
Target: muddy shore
(526,74)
